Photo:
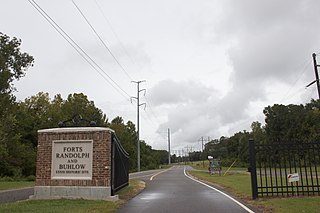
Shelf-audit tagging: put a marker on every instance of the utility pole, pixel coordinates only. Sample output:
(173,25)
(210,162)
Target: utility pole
(202,156)
(169,157)
(202,143)
(138,117)
(315,65)
(316,72)
(188,154)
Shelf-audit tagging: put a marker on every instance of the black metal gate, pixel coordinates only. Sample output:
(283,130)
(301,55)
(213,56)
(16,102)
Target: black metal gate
(284,169)
(120,166)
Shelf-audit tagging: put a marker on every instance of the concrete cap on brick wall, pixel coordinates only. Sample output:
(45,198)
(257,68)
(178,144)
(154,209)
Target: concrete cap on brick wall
(75,129)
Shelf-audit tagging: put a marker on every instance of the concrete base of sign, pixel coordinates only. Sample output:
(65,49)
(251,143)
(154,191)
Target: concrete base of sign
(73,192)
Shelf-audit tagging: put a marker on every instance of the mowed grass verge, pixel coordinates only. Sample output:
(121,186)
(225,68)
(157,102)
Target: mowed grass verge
(74,206)
(203,165)
(239,185)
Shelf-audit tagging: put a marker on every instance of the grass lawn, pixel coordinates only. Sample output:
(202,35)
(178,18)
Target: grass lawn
(63,205)
(74,206)
(6,185)
(239,184)
(285,205)
(205,164)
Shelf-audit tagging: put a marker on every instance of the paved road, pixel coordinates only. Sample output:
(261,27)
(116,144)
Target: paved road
(173,191)
(15,195)
(25,193)
(144,175)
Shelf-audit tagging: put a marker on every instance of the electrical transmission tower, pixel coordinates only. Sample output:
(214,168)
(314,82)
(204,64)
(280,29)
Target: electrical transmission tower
(138,116)
(203,140)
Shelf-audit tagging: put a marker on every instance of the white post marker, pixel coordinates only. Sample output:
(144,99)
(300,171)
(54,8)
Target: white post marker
(293,177)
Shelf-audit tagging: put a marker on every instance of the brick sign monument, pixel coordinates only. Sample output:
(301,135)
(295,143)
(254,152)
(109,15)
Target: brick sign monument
(74,163)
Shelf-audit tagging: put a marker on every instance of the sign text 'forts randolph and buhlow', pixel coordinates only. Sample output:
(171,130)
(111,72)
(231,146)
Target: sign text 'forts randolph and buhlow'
(72,160)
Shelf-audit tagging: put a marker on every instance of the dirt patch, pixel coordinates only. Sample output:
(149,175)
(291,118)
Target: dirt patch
(134,188)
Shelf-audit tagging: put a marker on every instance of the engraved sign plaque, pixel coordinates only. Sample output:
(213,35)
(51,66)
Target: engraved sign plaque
(72,159)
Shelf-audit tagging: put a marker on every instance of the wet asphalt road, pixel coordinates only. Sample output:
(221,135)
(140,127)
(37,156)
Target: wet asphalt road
(15,195)
(173,191)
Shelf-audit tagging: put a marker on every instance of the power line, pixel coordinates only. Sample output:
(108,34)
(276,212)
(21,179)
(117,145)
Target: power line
(129,56)
(117,37)
(76,47)
(306,63)
(103,43)
(311,94)
(152,111)
(146,117)
(295,93)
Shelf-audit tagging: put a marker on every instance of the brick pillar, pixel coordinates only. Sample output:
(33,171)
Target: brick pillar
(74,163)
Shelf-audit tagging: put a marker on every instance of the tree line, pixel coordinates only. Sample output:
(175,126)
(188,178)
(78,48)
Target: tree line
(283,124)
(20,120)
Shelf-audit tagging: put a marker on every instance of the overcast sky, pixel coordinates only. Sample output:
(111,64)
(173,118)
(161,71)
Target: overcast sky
(210,66)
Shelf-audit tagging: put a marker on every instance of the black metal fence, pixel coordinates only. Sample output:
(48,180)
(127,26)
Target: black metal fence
(120,166)
(284,169)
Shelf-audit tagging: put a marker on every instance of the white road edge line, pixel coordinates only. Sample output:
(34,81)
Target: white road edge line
(231,198)
(153,176)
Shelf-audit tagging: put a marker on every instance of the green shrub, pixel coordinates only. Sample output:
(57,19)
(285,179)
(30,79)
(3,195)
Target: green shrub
(31,178)
(6,179)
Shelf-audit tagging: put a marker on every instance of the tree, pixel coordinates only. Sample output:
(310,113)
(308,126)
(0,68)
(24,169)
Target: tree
(78,104)
(14,155)
(127,134)
(13,65)
(32,115)
(311,125)
(128,138)
(292,123)
(258,132)
(195,156)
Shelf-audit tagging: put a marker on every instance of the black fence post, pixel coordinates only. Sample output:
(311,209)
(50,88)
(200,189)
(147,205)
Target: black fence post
(253,170)
(113,164)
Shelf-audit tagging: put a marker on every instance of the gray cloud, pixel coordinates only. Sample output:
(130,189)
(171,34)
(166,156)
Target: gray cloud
(187,43)
(189,122)
(266,42)
(190,106)
(271,37)
(173,92)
